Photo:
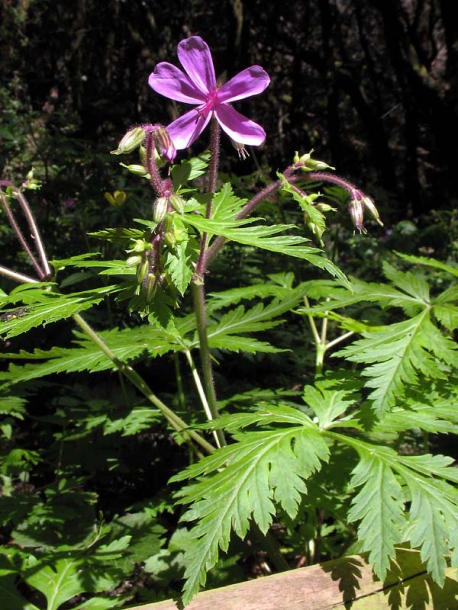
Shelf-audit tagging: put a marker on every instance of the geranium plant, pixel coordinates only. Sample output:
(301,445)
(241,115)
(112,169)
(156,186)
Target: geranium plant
(274,455)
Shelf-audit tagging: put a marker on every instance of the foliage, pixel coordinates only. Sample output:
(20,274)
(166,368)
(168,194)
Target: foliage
(202,371)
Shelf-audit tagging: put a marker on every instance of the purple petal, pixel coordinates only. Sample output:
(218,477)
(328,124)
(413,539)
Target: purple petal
(238,127)
(174,84)
(187,128)
(196,59)
(248,82)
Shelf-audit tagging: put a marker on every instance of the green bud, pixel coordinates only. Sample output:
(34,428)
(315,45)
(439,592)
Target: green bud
(160,209)
(140,245)
(132,140)
(177,203)
(136,169)
(302,158)
(142,270)
(150,286)
(170,239)
(370,207)
(324,207)
(31,184)
(307,164)
(133,261)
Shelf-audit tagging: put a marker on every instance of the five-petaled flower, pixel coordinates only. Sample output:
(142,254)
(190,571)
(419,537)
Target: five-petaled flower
(198,86)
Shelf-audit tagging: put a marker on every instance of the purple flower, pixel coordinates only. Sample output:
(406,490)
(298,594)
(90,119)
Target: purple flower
(197,85)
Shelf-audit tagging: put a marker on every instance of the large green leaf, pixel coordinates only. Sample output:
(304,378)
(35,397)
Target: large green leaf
(246,480)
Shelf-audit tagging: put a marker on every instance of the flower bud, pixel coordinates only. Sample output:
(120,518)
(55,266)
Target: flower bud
(177,203)
(142,270)
(307,164)
(164,144)
(324,207)
(140,245)
(370,207)
(132,140)
(150,285)
(170,239)
(31,184)
(136,169)
(160,208)
(133,261)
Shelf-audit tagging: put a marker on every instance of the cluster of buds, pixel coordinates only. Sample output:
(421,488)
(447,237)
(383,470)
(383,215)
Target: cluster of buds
(135,137)
(163,205)
(164,150)
(307,164)
(360,203)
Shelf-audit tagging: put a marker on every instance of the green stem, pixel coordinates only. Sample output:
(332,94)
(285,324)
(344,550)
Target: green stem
(205,356)
(175,421)
(201,392)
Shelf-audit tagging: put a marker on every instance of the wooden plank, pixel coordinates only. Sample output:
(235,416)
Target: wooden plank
(342,583)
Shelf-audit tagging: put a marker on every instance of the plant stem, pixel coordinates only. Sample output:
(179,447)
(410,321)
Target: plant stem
(35,232)
(18,277)
(175,421)
(198,295)
(12,220)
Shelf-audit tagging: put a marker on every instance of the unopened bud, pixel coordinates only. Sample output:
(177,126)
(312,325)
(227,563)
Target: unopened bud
(177,203)
(160,209)
(164,144)
(31,184)
(315,229)
(132,140)
(150,285)
(140,245)
(133,261)
(136,169)
(142,270)
(307,164)
(324,207)
(170,239)
(370,207)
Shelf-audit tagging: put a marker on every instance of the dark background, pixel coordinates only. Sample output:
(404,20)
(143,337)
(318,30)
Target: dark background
(369,84)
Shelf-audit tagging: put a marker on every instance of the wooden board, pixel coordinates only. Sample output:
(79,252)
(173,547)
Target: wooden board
(343,583)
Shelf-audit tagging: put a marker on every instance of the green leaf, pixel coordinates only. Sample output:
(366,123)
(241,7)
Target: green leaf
(267,238)
(388,481)
(10,598)
(379,506)
(45,307)
(429,262)
(327,404)
(179,265)
(126,344)
(62,578)
(189,169)
(400,352)
(247,479)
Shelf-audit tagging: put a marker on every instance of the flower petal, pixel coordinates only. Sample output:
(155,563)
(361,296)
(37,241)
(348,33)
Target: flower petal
(188,128)
(196,59)
(238,127)
(174,84)
(249,82)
